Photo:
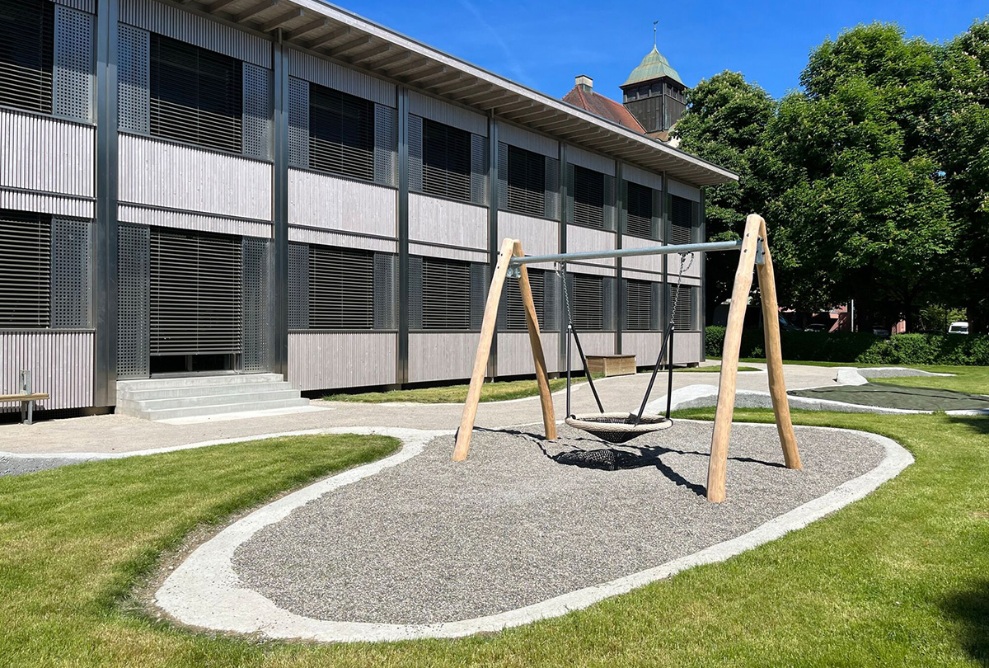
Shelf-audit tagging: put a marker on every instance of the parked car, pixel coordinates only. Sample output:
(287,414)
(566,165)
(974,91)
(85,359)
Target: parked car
(958,328)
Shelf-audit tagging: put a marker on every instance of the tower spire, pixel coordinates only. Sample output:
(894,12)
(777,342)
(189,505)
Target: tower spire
(654,33)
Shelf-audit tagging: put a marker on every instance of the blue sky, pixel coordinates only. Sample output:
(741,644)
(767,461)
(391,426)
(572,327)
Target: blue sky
(544,45)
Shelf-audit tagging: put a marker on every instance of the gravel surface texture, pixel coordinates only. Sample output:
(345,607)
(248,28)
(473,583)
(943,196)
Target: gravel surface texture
(525,520)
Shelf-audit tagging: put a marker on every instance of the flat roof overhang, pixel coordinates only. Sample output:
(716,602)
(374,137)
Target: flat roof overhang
(349,39)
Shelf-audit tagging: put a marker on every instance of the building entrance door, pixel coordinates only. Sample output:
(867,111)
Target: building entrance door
(196,302)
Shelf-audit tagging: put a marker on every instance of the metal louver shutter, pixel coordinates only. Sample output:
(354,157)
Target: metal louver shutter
(73,76)
(446,303)
(385,145)
(298,122)
(385,291)
(552,302)
(256,340)
(683,316)
(298,286)
(133,79)
(196,95)
(638,204)
(446,161)
(502,192)
(588,198)
(515,311)
(587,302)
(71,290)
(195,294)
(415,292)
(478,294)
(25,270)
(552,200)
(341,133)
(341,288)
(133,301)
(479,169)
(526,182)
(27,32)
(257,111)
(638,306)
(415,153)
(682,220)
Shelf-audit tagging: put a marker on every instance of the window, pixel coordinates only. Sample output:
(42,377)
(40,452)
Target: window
(515,311)
(446,294)
(341,133)
(27,30)
(683,312)
(446,161)
(588,198)
(682,220)
(639,305)
(196,95)
(587,303)
(639,209)
(341,288)
(25,270)
(526,182)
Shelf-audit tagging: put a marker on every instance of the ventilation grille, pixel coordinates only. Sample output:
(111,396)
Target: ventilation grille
(133,301)
(682,219)
(341,133)
(298,122)
(588,197)
(639,306)
(341,288)
(195,294)
(446,161)
(298,286)
(27,30)
(525,183)
(73,66)
(25,270)
(385,291)
(133,79)
(196,95)
(257,112)
(385,145)
(255,304)
(71,302)
(446,303)
(638,204)
(683,316)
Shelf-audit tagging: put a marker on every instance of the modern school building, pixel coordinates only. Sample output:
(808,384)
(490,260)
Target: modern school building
(235,187)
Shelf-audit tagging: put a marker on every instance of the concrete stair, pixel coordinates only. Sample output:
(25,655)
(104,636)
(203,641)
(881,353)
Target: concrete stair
(168,398)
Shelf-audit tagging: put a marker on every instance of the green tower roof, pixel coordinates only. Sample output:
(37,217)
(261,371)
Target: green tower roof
(653,66)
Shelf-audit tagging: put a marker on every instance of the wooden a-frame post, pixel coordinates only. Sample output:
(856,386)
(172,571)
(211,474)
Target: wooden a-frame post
(509,248)
(755,230)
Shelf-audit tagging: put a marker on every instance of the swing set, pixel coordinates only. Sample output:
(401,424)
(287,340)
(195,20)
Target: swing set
(622,427)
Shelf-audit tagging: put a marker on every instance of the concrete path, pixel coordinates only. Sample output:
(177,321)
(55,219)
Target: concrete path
(113,434)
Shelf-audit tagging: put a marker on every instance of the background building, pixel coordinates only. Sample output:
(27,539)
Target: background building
(230,187)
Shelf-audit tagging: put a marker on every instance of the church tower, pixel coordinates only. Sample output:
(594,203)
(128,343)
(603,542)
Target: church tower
(654,94)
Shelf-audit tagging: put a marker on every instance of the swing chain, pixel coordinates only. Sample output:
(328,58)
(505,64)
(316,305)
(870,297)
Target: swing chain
(676,293)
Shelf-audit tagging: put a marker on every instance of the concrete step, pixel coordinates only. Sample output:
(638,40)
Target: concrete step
(127,394)
(197,381)
(197,411)
(257,398)
(203,396)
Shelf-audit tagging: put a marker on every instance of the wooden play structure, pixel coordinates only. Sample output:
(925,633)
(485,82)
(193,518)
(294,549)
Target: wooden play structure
(753,255)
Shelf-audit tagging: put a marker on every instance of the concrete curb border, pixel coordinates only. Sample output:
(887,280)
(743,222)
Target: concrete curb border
(204,590)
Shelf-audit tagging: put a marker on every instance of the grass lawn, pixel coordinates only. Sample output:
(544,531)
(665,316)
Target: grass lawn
(899,578)
(971,379)
(456,394)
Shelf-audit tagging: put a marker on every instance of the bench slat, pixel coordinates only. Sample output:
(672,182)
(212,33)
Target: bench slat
(38,396)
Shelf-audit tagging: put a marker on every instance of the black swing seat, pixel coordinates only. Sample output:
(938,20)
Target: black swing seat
(618,427)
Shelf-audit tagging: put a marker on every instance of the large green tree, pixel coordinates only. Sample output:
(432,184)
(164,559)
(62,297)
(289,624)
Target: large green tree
(724,123)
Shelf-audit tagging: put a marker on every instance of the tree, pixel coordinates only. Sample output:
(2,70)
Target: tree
(724,122)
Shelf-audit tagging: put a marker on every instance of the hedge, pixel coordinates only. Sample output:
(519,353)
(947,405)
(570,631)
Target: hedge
(970,350)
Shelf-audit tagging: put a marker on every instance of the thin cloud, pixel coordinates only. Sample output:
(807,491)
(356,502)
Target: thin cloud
(514,66)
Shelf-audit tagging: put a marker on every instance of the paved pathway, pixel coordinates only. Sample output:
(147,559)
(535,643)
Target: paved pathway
(120,434)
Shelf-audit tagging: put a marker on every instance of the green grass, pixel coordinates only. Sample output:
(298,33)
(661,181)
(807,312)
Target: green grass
(899,578)
(456,394)
(971,379)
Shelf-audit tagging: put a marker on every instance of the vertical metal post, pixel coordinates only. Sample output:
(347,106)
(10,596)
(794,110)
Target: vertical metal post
(563,347)
(402,358)
(494,243)
(105,243)
(279,303)
(622,306)
(702,257)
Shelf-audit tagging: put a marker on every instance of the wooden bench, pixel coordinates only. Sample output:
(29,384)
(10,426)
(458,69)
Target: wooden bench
(611,365)
(26,397)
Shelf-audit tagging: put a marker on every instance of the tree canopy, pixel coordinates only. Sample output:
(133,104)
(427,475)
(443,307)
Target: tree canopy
(875,176)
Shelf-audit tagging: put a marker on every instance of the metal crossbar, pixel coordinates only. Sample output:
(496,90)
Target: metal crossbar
(706,247)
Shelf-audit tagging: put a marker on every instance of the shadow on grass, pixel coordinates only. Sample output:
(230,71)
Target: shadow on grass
(977,423)
(971,608)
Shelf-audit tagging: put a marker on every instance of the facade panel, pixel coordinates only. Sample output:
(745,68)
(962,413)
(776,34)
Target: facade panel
(47,155)
(515,353)
(448,223)
(60,362)
(441,356)
(331,203)
(346,359)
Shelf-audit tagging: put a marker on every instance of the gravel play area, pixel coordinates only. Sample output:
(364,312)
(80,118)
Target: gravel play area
(522,520)
(21,465)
